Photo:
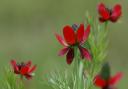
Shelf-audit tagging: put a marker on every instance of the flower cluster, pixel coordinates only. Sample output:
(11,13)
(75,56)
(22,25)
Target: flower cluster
(75,37)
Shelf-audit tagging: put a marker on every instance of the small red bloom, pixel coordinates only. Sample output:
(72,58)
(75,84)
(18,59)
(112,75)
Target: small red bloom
(74,37)
(109,83)
(107,14)
(23,68)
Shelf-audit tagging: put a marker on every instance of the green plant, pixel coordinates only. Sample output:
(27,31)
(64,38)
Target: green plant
(10,81)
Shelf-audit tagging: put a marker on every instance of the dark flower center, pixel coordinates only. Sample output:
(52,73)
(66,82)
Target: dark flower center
(75,27)
(109,10)
(20,65)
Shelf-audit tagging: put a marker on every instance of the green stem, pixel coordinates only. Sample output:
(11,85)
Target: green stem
(106,25)
(80,74)
(21,77)
(78,70)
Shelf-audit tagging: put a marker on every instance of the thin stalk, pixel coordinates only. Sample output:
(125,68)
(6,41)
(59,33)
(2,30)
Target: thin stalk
(78,70)
(80,74)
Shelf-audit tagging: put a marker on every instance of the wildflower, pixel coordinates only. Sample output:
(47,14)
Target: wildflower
(74,37)
(105,81)
(23,69)
(107,14)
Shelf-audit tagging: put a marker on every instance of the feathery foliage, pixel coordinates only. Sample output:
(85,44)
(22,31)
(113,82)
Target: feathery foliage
(10,81)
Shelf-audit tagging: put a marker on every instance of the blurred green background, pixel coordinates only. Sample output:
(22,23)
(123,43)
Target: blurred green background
(27,30)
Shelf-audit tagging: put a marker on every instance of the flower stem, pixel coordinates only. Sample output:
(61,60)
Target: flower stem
(80,74)
(78,70)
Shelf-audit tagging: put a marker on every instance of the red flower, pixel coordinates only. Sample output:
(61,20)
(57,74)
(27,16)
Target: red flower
(74,37)
(109,83)
(23,68)
(107,14)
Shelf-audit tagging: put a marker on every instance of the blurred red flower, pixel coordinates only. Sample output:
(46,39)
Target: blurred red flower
(23,69)
(107,84)
(74,37)
(107,14)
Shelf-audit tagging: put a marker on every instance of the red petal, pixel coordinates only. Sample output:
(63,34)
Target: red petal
(61,40)
(14,65)
(115,79)
(103,11)
(63,51)
(69,35)
(80,33)
(70,56)
(116,13)
(24,70)
(28,63)
(98,81)
(84,53)
(32,69)
(86,34)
